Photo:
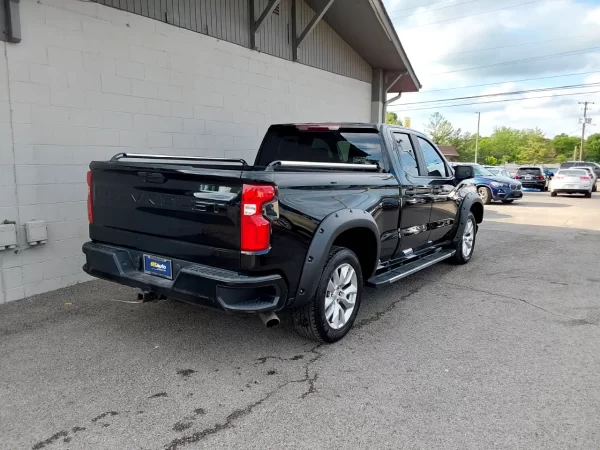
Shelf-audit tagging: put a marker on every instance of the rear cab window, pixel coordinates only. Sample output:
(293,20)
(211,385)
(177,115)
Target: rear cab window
(324,144)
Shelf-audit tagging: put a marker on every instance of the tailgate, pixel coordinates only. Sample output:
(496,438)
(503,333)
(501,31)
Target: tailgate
(182,212)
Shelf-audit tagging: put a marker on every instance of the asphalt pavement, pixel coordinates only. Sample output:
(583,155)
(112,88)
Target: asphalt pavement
(500,353)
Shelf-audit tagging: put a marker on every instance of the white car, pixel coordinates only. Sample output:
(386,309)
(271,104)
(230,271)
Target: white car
(571,181)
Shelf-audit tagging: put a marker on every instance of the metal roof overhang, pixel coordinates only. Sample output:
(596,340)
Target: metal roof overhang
(367,28)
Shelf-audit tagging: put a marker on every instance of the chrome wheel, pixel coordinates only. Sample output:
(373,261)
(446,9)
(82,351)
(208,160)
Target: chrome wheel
(483,194)
(468,238)
(340,297)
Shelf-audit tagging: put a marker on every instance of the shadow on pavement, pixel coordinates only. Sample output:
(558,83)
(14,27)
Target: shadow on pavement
(491,214)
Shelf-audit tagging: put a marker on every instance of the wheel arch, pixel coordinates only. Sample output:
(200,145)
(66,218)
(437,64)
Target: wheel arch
(477,210)
(470,204)
(351,228)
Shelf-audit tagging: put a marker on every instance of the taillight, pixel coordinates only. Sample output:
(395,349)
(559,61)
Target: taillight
(541,177)
(559,177)
(255,228)
(516,177)
(584,178)
(90,202)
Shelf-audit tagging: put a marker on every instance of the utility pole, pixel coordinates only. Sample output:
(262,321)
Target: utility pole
(477,136)
(585,106)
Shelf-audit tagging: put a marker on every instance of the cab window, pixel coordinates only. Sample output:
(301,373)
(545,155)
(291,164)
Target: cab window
(434,162)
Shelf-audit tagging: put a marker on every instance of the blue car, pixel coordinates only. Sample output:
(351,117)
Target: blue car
(491,187)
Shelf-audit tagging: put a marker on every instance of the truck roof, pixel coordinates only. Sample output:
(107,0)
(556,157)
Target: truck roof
(334,125)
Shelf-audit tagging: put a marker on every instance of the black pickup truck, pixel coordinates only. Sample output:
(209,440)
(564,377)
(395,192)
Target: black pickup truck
(325,210)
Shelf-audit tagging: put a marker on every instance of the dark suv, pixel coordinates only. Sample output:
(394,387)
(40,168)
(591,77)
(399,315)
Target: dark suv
(532,177)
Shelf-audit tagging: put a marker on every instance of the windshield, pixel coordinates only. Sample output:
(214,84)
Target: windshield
(481,171)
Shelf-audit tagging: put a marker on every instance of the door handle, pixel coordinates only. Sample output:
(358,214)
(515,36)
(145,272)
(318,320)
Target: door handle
(390,203)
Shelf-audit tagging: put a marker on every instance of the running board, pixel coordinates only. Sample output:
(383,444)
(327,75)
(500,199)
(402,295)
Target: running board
(409,268)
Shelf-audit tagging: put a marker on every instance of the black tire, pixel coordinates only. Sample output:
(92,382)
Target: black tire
(588,195)
(508,201)
(595,188)
(310,320)
(460,257)
(485,194)
(553,194)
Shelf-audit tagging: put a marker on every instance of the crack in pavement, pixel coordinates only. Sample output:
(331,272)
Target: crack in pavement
(263,359)
(242,412)
(518,300)
(236,414)
(378,315)
(311,385)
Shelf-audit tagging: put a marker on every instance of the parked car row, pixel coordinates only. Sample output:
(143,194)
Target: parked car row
(498,184)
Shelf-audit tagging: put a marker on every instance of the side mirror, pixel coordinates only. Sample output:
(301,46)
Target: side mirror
(463,172)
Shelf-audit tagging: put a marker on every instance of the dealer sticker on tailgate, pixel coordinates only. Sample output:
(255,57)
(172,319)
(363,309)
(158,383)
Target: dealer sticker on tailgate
(158,266)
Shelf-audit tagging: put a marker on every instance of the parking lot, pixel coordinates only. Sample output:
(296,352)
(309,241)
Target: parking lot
(500,353)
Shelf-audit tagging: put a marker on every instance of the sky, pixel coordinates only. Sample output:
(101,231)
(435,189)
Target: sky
(449,41)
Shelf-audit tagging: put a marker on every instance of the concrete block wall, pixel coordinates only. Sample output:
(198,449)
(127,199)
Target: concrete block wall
(89,81)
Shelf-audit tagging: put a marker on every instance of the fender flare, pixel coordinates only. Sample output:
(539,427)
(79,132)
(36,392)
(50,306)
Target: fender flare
(464,210)
(328,230)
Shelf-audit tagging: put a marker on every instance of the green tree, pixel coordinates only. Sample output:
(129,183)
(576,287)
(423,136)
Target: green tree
(441,130)
(592,148)
(392,118)
(564,145)
(465,146)
(535,149)
(491,161)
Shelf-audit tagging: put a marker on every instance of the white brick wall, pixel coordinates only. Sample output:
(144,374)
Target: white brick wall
(89,81)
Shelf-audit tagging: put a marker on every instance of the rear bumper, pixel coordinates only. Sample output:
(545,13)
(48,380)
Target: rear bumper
(192,283)
(540,184)
(572,191)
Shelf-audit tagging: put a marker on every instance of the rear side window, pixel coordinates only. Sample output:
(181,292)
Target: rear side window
(288,143)
(408,158)
(529,171)
(433,160)
(566,165)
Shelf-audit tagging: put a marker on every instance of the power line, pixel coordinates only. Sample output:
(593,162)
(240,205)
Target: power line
(432,10)
(508,81)
(534,58)
(501,101)
(499,94)
(475,14)
(579,36)
(420,6)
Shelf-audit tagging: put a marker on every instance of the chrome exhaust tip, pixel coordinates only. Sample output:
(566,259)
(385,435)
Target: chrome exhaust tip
(269,319)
